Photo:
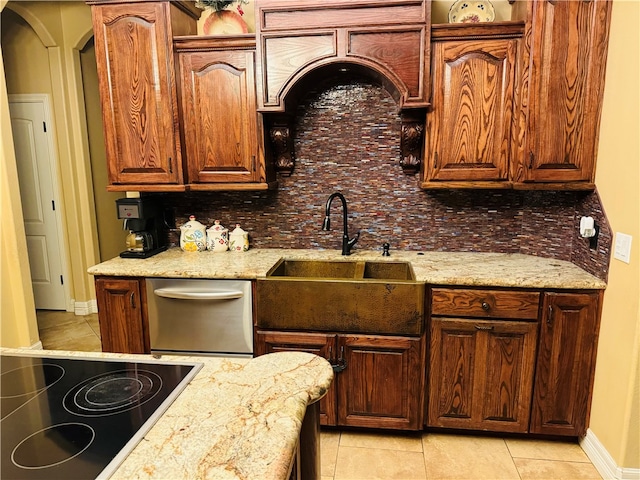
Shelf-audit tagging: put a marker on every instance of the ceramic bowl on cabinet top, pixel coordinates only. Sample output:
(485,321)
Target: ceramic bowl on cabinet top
(471,11)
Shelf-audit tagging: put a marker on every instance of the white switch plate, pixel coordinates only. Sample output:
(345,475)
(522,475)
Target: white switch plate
(622,249)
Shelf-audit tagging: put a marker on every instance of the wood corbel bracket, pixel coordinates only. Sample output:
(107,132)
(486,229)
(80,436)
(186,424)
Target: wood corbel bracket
(282,143)
(411,145)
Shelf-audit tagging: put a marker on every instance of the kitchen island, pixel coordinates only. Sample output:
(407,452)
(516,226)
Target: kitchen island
(237,418)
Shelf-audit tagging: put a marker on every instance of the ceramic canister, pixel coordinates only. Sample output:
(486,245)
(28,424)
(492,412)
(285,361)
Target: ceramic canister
(193,236)
(217,238)
(238,240)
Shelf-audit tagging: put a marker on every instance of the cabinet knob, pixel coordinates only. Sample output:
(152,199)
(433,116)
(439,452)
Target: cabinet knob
(486,307)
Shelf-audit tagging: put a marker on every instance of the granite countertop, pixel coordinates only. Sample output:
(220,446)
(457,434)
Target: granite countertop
(237,418)
(437,268)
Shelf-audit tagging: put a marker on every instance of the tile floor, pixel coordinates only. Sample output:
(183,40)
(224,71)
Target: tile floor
(369,456)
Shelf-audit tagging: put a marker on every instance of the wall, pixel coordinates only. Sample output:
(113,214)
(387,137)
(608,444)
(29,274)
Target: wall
(616,403)
(110,233)
(347,139)
(41,42)
(18,326)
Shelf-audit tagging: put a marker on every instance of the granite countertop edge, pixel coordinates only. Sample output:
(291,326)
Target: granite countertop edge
(238,418)
(435,268)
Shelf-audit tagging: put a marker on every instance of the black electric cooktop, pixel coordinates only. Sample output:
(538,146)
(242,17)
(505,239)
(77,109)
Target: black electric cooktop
(70,418)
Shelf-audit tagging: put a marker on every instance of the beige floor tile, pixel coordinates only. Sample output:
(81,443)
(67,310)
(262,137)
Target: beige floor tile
(60,330)
(80,343)
(385,441)
(356,463)
(55,318)
(93,322)
(530,469)
(546,450)
(467,457)
(329,441)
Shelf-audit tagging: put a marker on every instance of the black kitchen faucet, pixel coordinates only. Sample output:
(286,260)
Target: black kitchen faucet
(347,244)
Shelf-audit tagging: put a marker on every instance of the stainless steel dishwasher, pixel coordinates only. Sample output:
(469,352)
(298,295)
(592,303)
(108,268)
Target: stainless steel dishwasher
(200,316)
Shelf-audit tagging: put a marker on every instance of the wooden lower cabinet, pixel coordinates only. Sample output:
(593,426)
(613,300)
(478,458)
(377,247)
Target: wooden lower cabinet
(122,314)
(566,363)
(378,379)
(481,374)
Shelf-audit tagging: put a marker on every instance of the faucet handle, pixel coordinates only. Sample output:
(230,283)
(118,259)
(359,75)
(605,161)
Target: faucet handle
(385,249)
(352,241)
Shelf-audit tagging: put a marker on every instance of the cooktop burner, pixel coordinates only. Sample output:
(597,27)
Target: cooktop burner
(79,418)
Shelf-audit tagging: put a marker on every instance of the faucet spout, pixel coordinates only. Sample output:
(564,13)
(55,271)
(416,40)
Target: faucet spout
(347,243)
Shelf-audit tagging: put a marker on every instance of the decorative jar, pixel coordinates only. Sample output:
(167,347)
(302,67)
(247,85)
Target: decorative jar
(193,236)
(238,240)
(217,238)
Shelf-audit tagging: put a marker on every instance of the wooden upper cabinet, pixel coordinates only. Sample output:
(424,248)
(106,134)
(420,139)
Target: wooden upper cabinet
(469,127)
(218,106)
(138,93)
(564,69)
(390,40)
(566,363)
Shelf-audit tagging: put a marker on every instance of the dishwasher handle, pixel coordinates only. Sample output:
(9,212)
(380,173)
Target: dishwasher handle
(197,293)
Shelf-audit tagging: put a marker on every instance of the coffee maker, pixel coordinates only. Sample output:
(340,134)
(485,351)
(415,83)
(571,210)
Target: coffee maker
(144,218)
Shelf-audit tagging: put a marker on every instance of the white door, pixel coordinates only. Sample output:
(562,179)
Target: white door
(36,175)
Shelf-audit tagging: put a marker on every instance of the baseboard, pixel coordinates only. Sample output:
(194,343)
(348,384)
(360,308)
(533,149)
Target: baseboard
(85,308)
(604,462)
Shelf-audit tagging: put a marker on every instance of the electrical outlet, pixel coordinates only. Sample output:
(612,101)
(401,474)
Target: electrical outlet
(622,249)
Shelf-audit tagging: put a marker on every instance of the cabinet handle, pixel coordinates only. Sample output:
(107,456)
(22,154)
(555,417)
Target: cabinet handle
(530,160)
(253,163)
(550,316)
(341,364)
(170,165)
(435,160)
(481,327)
(132,300)
(486,307)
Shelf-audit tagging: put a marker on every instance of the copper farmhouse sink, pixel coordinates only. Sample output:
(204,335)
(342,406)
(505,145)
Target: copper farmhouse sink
(341,296)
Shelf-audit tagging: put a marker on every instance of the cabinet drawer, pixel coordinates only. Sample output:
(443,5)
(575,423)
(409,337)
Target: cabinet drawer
(484,303)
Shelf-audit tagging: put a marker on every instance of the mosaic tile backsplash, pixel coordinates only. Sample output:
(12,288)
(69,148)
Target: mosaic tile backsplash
(347,140)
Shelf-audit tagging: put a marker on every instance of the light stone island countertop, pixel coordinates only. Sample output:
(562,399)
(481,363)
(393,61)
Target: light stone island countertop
(236,419)
(437,268)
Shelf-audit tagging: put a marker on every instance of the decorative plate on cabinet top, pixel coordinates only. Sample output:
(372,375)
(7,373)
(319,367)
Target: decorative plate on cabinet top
(471,11)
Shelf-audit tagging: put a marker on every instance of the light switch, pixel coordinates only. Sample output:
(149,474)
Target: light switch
(622,248)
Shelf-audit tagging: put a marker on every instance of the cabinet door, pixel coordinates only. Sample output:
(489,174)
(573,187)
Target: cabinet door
(382,383)
(121,307)
(220,118)
(323,345)
(563,99)
(470,125)
(481,374)
(566,364)
(138,92)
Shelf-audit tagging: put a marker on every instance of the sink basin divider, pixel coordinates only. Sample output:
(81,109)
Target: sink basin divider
(359,271)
